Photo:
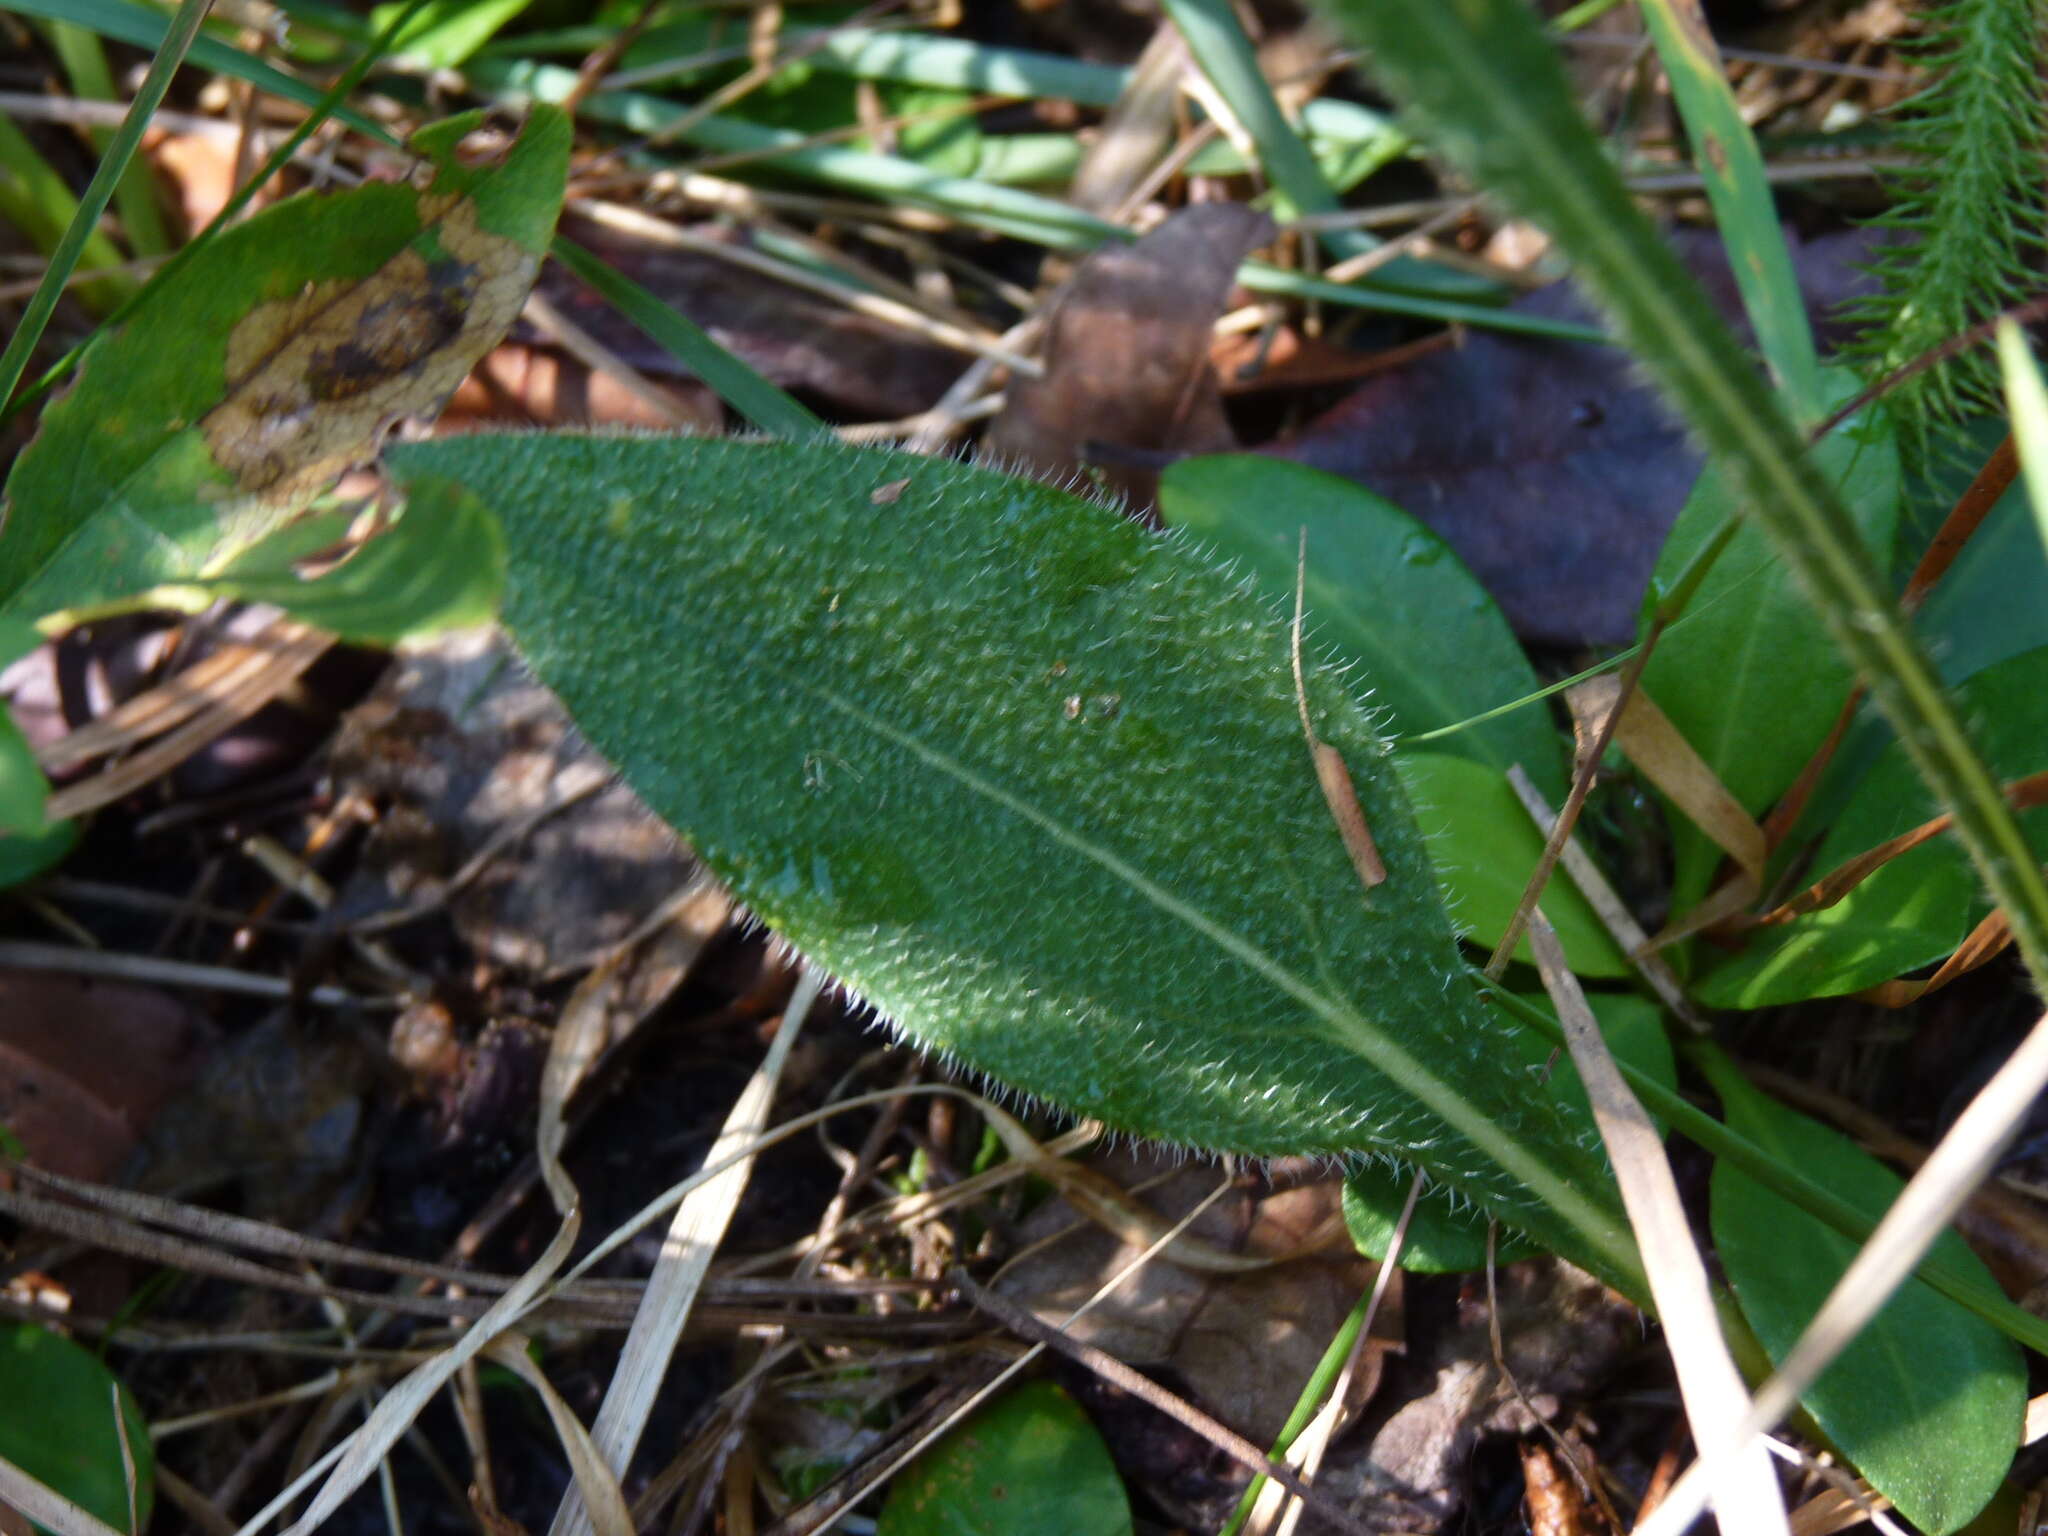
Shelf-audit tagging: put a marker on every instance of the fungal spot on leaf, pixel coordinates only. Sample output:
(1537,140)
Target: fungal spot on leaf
(314,380)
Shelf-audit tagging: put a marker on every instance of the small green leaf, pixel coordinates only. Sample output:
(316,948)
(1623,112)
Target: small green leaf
(1485,847)
(1447,1235)
(23,789)
(1028,1463)
(441,566)
(938,128)
(1383,592)
(269,363)
(1032,780)
(1927,1402)
(69,1442)
(1916,909)
(1912,913)
(24,855)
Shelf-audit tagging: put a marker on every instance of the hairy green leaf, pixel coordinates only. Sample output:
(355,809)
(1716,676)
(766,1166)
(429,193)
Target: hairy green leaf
(1446,1237)
(1032,781)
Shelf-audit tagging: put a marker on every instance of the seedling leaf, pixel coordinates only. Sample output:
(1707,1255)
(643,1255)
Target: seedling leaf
(1028,1462)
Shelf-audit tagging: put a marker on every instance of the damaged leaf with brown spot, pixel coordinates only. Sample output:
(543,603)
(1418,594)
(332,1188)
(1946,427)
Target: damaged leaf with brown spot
(249,378)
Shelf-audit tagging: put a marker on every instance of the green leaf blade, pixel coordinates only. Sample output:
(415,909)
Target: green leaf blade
(1031,780)
(70,1443)
(1748,674)
(1927,1401)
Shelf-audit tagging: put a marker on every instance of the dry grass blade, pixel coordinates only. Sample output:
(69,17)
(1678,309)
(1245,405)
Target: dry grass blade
(297,648)
(1592,747)
(1657,748)
(29,955)
(1715,1400)
(596,1485)
(1834,1509)
(45,1506)
(1984,943)
(1278,1511)
(1932,1197)
(693,1237)
(1606,902)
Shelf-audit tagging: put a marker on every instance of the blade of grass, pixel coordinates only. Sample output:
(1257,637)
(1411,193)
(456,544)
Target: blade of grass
(1716,1401)
(178,38)
(2027,399)
(1261,277)
(85,62)
(35,200)
(129,23)
(1225,55)
(732,380)
(1002,210)
(1733,169)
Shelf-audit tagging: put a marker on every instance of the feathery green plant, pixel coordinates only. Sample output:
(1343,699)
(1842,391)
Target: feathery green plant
(1968,222)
